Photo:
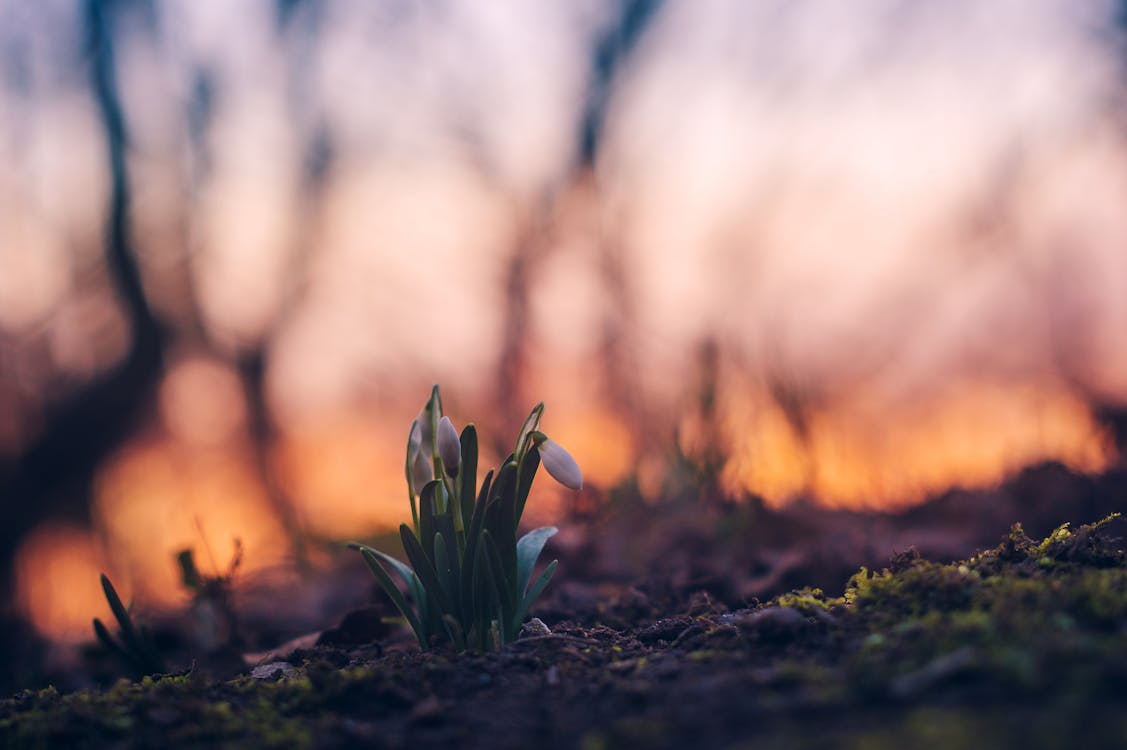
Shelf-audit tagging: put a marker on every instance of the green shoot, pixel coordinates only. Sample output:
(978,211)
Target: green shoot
(133,645)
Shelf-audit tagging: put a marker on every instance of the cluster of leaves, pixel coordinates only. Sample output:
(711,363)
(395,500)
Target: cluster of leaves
(470,577)
(134,646)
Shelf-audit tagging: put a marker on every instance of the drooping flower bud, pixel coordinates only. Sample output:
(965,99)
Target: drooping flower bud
(559,464)
(449,446)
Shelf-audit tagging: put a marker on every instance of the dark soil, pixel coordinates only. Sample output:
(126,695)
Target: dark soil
(693,631)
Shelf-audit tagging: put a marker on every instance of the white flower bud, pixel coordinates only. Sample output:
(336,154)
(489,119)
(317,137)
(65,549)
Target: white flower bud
(559,464)
(414,441)
(421,472)
(425,432)
(449,446)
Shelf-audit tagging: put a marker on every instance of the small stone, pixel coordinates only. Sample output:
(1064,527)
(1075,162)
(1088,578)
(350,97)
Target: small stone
(275,670)
(534,627)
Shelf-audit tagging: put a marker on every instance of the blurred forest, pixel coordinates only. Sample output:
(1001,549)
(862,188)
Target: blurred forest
(872,252)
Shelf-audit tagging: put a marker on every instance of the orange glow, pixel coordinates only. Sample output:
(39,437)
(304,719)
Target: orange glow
(57,570)
(600,442)
(910,219)
(972,435)
(201,402)
(345,475)
(156,498)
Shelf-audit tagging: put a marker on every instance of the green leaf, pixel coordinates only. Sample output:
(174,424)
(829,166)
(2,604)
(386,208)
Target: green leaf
(467,477)
(483,593)
(426,518)
(454,630)
(424,569)
(442,567)
(473,534)
(118,609)
(394,593)
(496,568)
(445,529)
(407,471)
(398,566)
(505,482)
(108,641)
(528,551)
(131,641)
(530,424)
(501,522)
(533,593)
(434,415)
(525,476)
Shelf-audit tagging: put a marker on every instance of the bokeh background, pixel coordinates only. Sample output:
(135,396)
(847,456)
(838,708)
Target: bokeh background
(860,252)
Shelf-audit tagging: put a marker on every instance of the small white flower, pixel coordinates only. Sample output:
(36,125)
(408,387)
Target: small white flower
(559,464)
(449,446)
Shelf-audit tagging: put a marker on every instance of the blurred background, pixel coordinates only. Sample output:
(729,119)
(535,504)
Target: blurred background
(852,253)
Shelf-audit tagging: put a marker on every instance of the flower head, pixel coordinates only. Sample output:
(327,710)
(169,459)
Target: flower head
(559,463)
(449,446)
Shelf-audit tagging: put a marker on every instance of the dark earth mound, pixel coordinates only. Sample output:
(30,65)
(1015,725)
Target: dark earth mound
(1024,645)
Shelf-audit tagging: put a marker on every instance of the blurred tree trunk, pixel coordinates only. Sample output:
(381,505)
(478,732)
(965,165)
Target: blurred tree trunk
(53,476)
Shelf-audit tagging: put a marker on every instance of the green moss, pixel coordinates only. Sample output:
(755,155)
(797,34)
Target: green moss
(808,601)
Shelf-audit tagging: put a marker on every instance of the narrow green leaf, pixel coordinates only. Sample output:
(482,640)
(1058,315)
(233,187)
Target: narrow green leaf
(118,609)
(454,630)
(530,424)
(442,567)
(129,637)
(108,641)
(407,471)
(525,475)
(395,594)
(528,551)
(504,483)
(496,567)
(444,526)
(487,594)
(533,593)
(467,477)
(427,513)
(398,566)
(418,593)
(500,521)
(469,558)
(424,569)
(434,416)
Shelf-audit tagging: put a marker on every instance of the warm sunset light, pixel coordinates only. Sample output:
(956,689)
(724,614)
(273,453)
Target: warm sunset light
(157,498)
(906,259)
(563,373)
(58,559)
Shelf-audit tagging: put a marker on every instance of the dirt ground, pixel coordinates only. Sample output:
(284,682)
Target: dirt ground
(706,623)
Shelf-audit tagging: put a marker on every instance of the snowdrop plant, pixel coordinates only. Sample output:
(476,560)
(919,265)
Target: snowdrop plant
(469,577)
